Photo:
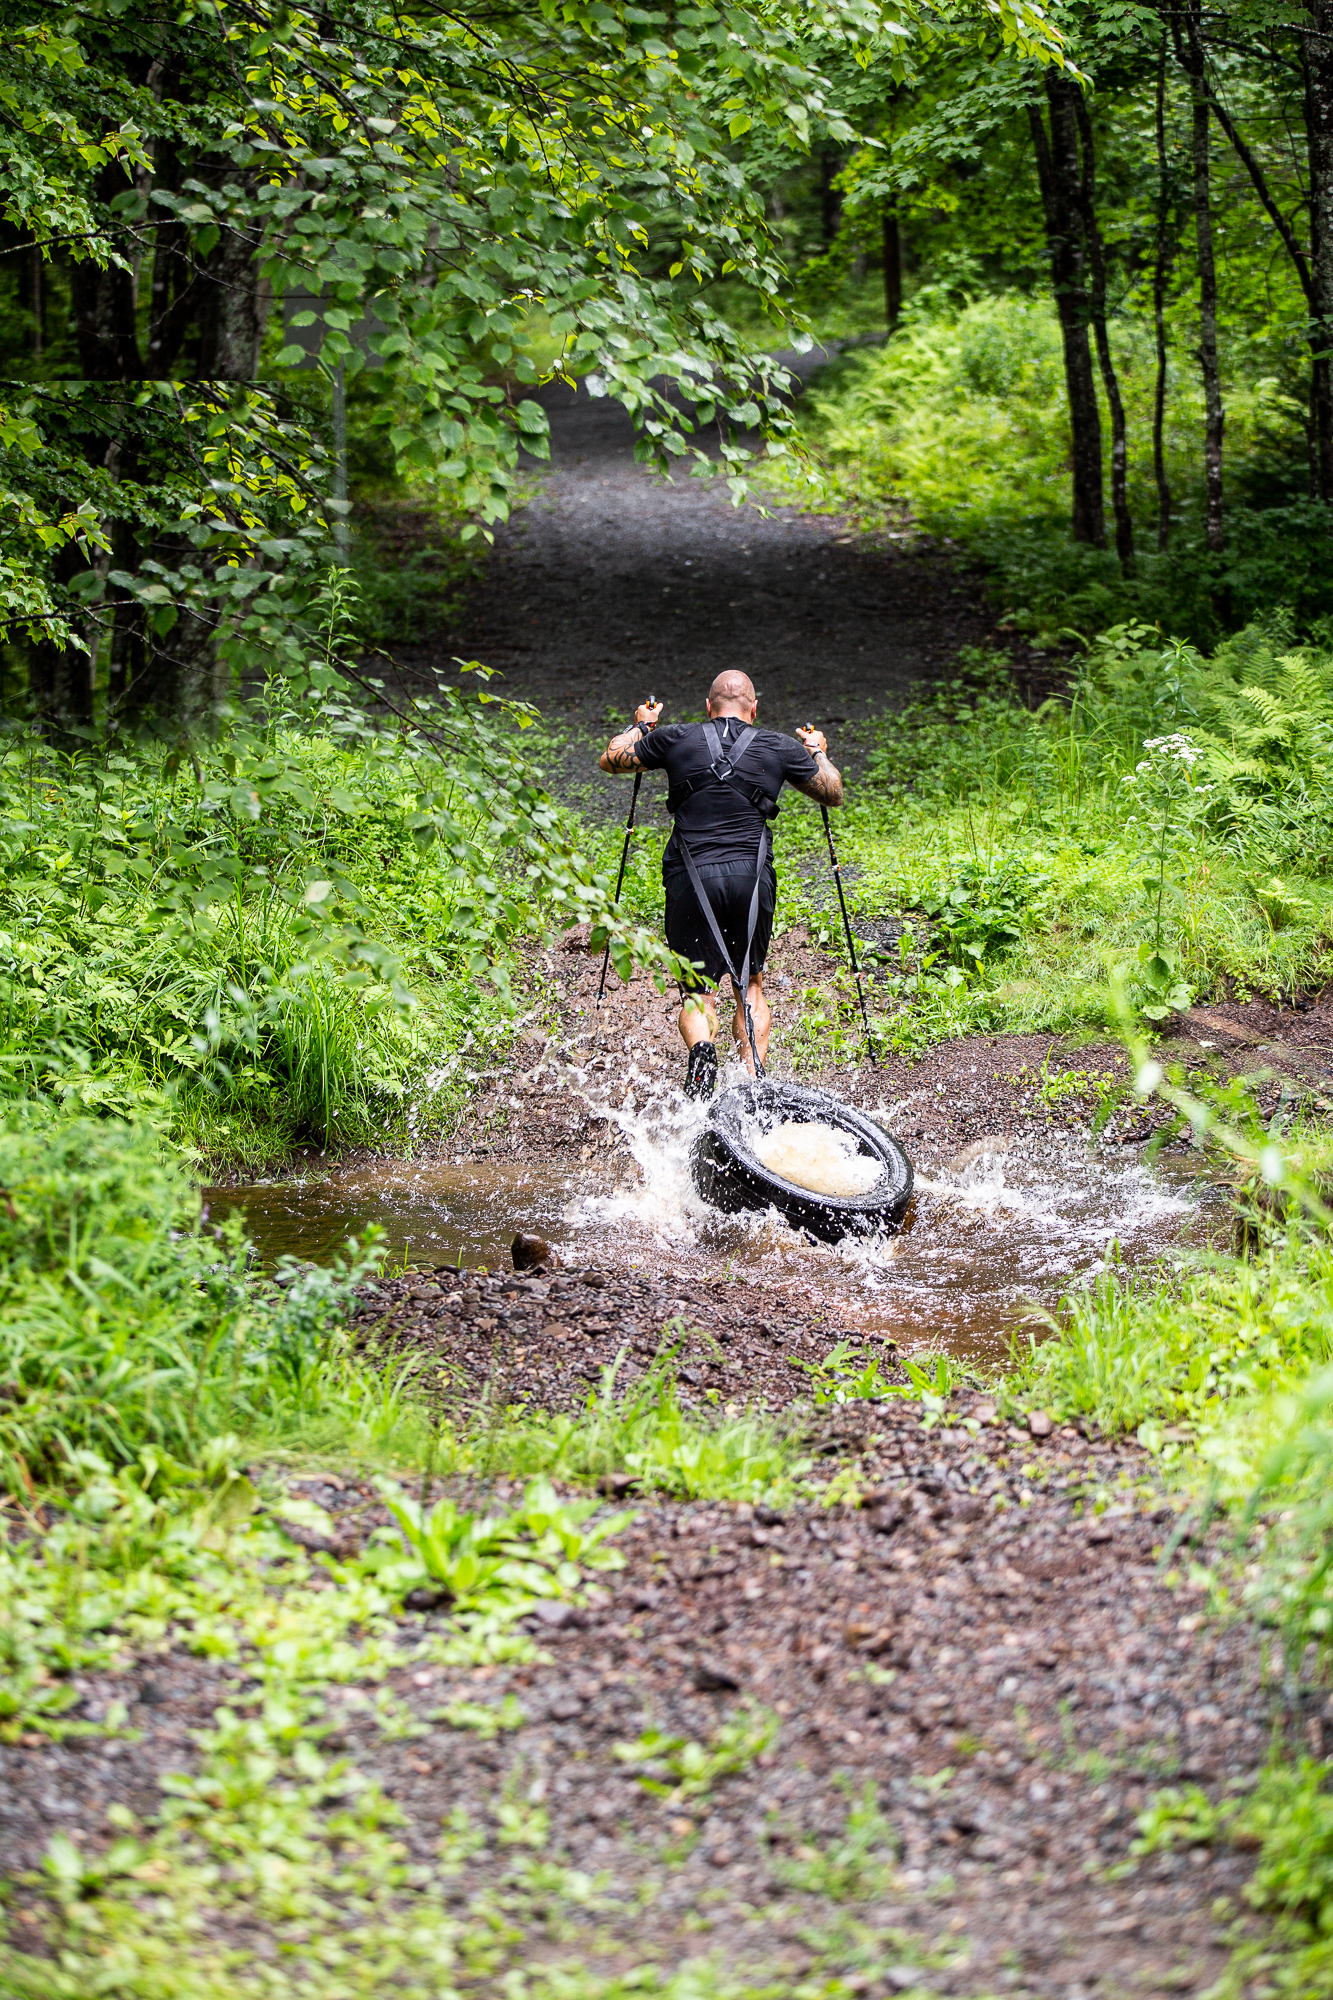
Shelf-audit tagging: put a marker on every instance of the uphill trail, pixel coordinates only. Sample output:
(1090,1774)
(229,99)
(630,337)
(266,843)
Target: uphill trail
(612,583)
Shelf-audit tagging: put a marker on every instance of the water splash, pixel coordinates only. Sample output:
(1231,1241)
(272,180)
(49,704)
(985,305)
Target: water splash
(1002,1223)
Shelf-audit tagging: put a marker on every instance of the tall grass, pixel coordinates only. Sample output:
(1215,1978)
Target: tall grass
(962,419)
(126,1325)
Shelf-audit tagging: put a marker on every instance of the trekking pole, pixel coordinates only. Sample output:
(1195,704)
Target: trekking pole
(847,926)
(624,857)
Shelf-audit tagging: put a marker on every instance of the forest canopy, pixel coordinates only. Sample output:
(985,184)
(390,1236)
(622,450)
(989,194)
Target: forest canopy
(266,203)
(224,229)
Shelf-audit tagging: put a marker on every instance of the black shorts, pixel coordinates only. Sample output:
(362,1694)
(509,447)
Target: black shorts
(729,891)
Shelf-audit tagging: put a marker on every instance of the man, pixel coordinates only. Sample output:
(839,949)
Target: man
(723,776)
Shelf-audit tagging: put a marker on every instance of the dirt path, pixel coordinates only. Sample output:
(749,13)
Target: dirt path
(979,1676)
(611,584)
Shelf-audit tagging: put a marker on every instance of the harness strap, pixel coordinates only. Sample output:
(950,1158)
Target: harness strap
(722,770)
(740,980)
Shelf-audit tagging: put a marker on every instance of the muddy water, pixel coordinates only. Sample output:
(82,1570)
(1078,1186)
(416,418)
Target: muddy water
(1004,1225)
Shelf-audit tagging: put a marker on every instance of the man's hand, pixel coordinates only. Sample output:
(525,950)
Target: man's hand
(825,788)
(619,754)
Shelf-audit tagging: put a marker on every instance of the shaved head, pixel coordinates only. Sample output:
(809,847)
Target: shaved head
(731,690)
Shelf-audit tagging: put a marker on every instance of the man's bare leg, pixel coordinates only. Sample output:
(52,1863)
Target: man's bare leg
(763,1021)
(698,1030)
(698,1019)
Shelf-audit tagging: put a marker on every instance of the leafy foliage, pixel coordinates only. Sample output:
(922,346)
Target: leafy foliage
(538,1549)
(676,1768)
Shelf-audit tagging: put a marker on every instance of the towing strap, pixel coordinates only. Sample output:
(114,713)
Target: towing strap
(740,980)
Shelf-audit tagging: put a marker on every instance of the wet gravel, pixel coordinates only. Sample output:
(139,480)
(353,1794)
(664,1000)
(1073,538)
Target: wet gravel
(546,1340)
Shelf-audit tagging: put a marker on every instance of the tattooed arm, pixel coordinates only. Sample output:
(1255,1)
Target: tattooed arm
(621,753)
(825,788)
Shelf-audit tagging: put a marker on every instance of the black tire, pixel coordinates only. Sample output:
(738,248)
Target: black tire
(728,1175)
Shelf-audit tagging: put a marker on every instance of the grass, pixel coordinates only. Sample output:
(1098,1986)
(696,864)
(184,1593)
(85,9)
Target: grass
(1014,872)
(643,1435)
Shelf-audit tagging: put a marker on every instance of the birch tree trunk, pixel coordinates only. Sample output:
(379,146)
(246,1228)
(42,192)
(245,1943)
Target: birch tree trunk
(1161,278)
(1214,410)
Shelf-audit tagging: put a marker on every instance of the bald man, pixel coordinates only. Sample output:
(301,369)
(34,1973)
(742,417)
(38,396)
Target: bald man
(724,776)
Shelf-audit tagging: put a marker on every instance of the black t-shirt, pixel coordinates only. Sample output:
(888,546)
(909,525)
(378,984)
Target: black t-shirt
(719,822)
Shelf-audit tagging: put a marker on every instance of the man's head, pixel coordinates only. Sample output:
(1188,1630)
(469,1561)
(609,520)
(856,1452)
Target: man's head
(733,694)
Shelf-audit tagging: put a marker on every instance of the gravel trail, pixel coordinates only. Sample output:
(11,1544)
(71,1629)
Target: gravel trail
(612,583)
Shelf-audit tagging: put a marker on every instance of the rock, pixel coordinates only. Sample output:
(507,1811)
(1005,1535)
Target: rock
(867,1636)
(769,1517)
(712,1677)
(886,1519)
(617,1484)
(1039,1424)
(556,1615)
(565,1707)
(1100,1531)
(426,1597)
(556,1329)
(577,939)
(968,1508)
(985,1413)
(530,1252)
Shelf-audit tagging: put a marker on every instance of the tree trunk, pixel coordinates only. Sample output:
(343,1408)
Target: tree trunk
(1317,55)
(175,288)
(231,323)
(830,197)
(1214,412)
(104,306)
(36,299)
(60,685)
(1058,178)
(1124,520)
(173,687)
(1165,258)
(893,269)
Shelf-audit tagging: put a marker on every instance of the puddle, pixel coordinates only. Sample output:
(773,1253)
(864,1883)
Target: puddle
(1007,1224)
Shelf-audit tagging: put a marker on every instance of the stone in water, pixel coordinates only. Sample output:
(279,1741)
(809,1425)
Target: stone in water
(819,1157)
